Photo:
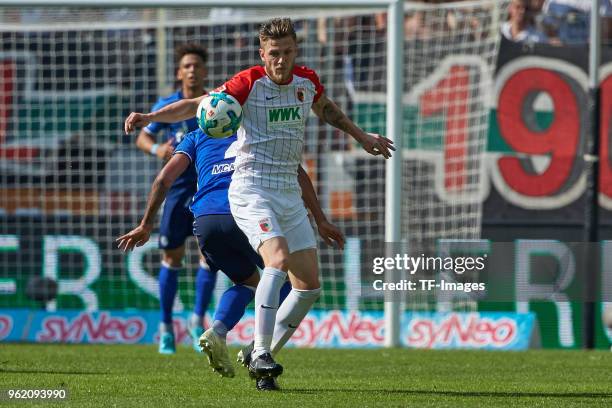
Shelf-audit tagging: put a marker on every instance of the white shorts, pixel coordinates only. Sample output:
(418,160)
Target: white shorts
(263,213)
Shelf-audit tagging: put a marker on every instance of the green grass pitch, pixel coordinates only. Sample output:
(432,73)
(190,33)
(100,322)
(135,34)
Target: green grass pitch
(134,375)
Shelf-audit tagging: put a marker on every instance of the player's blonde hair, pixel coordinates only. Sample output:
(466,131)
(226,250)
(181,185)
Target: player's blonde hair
(275,29)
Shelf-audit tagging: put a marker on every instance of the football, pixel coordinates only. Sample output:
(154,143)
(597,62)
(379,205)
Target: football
(219,115)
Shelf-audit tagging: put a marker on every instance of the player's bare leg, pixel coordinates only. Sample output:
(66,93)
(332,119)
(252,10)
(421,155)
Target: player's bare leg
(174,257)
(304,269)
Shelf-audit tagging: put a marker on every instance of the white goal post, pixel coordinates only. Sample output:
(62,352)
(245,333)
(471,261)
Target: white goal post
(438,201)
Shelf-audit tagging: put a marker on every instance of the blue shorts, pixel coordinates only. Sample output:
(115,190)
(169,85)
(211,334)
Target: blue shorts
(225,246)
(176,224)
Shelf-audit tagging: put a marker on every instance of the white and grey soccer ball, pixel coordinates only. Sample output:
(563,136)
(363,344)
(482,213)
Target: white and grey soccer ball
(219,115)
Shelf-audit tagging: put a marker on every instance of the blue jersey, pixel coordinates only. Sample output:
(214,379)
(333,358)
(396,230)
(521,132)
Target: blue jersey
(187,182)
(214,161)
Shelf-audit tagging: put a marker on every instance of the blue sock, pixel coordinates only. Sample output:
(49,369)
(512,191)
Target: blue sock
(168,283)
(232,304)
(204,288)
(284,292)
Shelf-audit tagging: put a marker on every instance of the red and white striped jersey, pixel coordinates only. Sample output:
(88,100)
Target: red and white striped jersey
(271,138)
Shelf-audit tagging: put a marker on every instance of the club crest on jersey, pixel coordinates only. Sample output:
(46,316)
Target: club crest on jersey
(265,225)
(299,94)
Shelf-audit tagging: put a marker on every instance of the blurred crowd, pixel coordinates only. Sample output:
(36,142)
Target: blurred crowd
(352,47)
(555,22)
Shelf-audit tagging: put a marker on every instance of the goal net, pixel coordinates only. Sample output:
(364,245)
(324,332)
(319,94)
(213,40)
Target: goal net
(71,181)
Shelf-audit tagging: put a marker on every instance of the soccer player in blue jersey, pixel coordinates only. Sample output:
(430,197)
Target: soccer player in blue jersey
(224,244)
(176,220)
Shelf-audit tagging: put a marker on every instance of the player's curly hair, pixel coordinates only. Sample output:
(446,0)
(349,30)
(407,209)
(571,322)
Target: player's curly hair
(190,48)
(277,28)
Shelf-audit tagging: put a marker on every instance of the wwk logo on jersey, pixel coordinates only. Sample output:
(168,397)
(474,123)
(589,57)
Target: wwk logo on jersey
(290,116)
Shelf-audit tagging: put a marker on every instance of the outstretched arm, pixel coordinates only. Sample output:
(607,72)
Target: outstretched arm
(175,112)
(372,143)
(140,235)
(328,231)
